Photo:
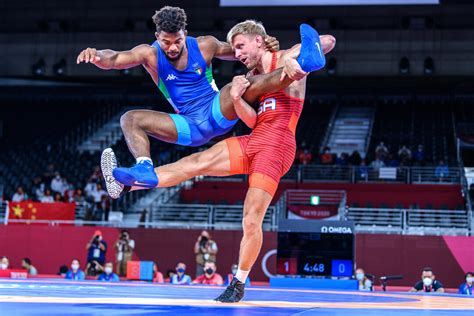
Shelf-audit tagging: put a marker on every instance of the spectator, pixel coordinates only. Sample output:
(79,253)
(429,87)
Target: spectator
(78,197)
(104,207)
(404,153)
(19,195)
(124,248)
(419,156)
(381,151)
(91,188)
(327,157)
(305,157)
(57,183)
(231,275)
(63,270)
(364,283)
(377,164)
(47,198)
(442,170)
(4,263)
(391,161)
(108,274)
(157,275)
(96,249)
(57,197)
(75,273)
(97,195)
(466,287)
(342,159)
(428,283)
(26,264)
(38,188)
(170,273)
(210,276)
(206,250)
(355,159)
(180,277)
(363,170)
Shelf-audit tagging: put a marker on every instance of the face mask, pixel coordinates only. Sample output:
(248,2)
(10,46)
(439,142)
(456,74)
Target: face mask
(470,279)
(108,270)
(360,276)
(180,270)
(427,281)
(209,271)
(74,267)
(3,266)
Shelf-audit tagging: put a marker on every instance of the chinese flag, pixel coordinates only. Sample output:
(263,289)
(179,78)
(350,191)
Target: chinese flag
(32,211)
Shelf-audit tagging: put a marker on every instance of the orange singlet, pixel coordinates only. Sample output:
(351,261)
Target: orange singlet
(268,152)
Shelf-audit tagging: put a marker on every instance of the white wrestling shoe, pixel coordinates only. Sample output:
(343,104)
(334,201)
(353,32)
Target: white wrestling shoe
(108,162)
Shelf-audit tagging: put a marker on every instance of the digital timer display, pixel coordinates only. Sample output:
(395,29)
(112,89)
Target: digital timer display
(315,254)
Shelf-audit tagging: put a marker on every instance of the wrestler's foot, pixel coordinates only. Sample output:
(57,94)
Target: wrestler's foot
(233,293)
(140,175)
(311,57)
(108,162)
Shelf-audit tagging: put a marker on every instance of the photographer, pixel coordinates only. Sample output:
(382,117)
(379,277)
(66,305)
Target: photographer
(124,249)
(96,249)
(205,249)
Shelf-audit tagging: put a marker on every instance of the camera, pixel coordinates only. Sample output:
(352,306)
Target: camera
(203,242)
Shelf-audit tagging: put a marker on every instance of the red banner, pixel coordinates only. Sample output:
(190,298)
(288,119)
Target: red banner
(34,211)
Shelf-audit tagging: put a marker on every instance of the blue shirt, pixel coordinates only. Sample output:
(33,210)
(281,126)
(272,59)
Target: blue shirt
(77,276)
(465,289)
(185,279)
(189,89)
(95,253)
(109,277)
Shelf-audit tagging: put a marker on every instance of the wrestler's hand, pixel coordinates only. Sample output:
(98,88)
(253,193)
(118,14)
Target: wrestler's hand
(239,85)
(272,44)
(88,55)
(292,70)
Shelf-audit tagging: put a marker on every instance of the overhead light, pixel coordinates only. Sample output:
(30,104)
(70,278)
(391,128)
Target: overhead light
(404,66)
(39,68)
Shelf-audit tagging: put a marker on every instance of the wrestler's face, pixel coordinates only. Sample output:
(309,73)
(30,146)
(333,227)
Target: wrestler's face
(248,49)
(172,44)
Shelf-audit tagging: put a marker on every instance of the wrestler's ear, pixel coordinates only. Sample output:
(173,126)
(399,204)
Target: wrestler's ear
(260,41)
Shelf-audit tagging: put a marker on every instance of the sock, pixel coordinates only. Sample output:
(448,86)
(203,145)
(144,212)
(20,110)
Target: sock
(141,159)
(242,275)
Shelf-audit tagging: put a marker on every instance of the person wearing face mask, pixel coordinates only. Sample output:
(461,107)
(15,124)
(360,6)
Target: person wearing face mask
(96,249)
(428,283)
(4,263)
(108,275)
(364,283)
(210,276)
(206,250)
(230,276)
(75,273)
(180,277)
(466,288)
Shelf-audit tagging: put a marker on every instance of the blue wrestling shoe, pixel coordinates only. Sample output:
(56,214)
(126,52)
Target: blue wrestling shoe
(140,175)
(311,55)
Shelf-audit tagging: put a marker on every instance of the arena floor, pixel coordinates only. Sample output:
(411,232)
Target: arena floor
(59,297)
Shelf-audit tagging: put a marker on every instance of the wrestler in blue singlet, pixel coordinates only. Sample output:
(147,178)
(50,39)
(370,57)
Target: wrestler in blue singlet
(194,96)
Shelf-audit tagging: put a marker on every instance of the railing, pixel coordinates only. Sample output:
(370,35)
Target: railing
(206,216)
(358,174)
(410,221)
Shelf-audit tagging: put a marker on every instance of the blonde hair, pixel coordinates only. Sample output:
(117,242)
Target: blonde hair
(247,27)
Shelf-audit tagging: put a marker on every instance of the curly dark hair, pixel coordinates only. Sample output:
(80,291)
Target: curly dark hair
(170,19)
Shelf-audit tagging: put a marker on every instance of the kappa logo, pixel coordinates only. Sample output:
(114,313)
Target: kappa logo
(171,77)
